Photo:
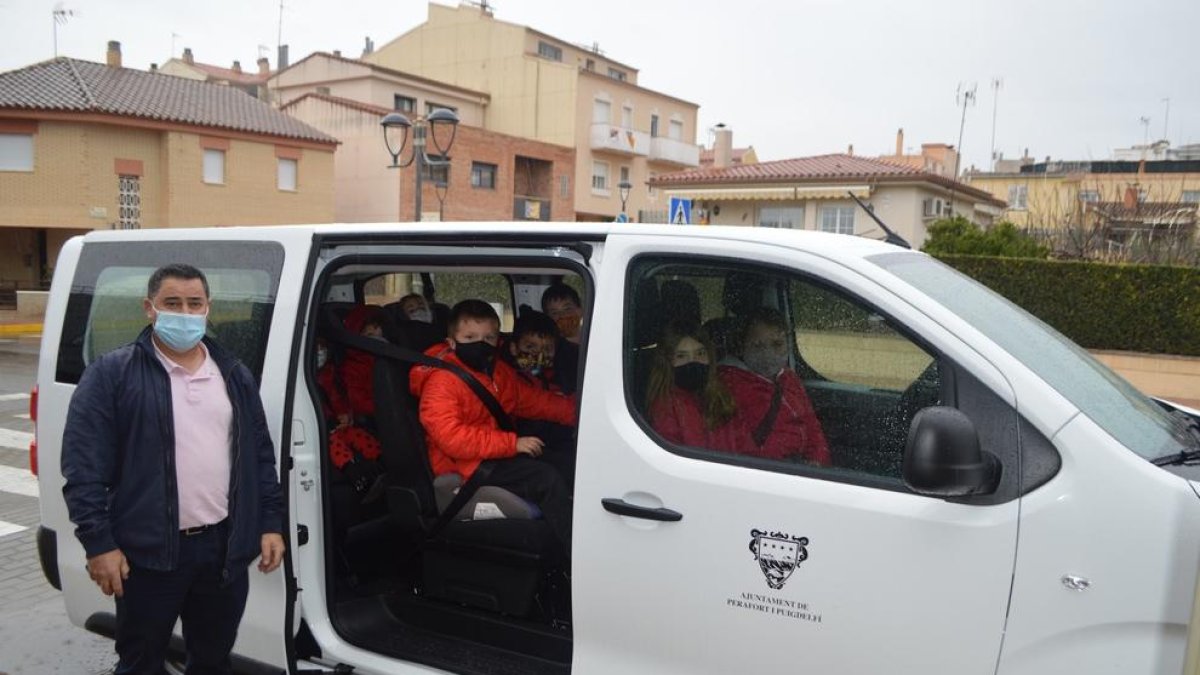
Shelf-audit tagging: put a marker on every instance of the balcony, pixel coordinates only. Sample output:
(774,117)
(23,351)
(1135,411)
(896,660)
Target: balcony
(612,138)
(671,151)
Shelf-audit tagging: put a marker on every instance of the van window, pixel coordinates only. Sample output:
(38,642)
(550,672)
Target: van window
(797,376)
(494,289)
(105,307)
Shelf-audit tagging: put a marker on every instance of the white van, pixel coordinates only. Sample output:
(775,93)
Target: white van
(1039,518)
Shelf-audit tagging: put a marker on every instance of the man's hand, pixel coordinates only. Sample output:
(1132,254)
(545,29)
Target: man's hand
(109,570)
(530,445)
(272,552)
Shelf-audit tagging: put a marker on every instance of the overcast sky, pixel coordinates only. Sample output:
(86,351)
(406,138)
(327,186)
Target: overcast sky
(792,78)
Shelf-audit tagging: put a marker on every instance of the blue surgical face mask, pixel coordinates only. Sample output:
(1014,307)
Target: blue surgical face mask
(180,331)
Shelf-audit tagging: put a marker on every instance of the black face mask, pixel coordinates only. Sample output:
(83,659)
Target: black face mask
(691,376)
(478,356)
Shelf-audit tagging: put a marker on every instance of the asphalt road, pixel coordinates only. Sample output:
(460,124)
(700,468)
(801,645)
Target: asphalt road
(36,638)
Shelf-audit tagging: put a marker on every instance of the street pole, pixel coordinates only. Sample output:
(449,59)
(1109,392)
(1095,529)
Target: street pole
(419,165)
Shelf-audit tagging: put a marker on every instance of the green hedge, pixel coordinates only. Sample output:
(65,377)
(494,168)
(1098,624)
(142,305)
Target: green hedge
(1137,308)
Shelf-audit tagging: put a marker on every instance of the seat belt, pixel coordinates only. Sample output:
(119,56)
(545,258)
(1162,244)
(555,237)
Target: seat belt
(464,494)
(398,353)
(763,430)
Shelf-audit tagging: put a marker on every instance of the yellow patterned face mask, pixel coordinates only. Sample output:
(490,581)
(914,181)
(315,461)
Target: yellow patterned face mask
(533,364)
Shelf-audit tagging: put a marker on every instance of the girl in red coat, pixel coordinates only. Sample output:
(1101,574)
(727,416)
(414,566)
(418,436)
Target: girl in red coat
(358,366)
(772,402)
(686,401)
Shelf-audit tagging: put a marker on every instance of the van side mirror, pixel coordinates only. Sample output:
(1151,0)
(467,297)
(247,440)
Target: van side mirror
(942,457)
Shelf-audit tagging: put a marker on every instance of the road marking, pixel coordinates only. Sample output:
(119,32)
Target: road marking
(18,481)
(15,440)
(10,528)
(13,397)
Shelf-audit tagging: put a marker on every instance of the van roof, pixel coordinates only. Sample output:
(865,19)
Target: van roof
(822,242)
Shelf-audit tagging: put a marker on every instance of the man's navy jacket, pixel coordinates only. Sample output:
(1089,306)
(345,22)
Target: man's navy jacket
(118,459)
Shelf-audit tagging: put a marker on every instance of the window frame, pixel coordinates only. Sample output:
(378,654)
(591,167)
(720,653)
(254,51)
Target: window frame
(635,271)
(606,189)
(280,163)
(654,125)
(210,153)
(837,226)
(1018,197)
(1190,197)
(596,103)
(799,225)
(480,169)
(431,106)
(409,103)
(549,51)
(21,142)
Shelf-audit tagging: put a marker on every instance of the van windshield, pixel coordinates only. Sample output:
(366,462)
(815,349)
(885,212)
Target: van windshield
(1131,417)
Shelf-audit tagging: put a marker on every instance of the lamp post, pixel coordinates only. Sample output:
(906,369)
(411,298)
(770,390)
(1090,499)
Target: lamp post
(395,136)
(623,189)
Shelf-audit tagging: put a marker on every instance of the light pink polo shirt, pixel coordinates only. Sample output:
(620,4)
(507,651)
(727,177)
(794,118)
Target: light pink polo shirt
(203,420)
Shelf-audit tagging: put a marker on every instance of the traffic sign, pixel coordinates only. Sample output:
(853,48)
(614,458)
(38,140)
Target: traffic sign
(680,211)
(621,218)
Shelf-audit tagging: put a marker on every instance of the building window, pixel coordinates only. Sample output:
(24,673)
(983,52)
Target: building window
(627,116)
(483,175)
(784,217)
(430,106)
(591,65)
(675,130)
(404,104)
(1190,197)
(214,167)
(549,51)
(615,74)
(323,91)
(654,126)
(601,112)
(650,191)
(837,219)
(564,186)
(624,174)
(285,174)
(1018,195)
(16,152)
(1089,196)
(129,202)
(600,177)
(1142,196)
(438,171)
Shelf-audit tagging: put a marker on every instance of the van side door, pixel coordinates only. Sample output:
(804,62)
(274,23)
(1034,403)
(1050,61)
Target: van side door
(95,306)
(705,559)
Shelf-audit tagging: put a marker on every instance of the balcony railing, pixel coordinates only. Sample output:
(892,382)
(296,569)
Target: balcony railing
(671,151)
(612,138)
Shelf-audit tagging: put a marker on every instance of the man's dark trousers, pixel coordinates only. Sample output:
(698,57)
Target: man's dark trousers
(211,609)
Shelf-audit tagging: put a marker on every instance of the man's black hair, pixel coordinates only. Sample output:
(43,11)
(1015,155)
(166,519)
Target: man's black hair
(560,291)
(472,309)
(533,322)
(174,271)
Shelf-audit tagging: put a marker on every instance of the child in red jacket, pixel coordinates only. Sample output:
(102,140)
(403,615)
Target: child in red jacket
(461,431)
(358,366)
(685,400)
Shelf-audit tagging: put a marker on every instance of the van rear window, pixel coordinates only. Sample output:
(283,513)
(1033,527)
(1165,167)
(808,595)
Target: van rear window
(105,307)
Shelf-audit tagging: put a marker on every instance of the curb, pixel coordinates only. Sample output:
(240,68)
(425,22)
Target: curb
(11,329)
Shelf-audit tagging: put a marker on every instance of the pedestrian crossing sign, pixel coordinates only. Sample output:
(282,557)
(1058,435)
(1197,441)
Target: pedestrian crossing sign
(680,211)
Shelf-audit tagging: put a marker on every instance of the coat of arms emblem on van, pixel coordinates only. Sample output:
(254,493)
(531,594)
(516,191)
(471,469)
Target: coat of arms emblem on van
(778,555)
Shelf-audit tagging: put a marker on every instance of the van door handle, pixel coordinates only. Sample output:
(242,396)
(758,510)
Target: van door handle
(624,508)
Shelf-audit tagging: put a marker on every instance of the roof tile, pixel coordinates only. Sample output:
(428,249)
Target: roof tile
(64,84)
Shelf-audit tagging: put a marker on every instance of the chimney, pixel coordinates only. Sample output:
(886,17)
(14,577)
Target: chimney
(850,150)
(154,67)
(264,66)
(722,147)
(368,46)
(237,67)
(187,56)
(282,60)
(337,53)
(900,142)
(114,54)
(1131,197)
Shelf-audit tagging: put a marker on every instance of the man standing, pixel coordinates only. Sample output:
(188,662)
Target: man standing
(170,480)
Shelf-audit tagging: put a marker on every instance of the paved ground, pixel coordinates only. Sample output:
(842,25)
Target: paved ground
(35,636)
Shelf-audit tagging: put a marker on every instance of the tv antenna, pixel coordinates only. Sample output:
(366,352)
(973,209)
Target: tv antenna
(965,97)
(60,16)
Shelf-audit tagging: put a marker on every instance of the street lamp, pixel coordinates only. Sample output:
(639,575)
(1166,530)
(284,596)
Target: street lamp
(395,136)
(623,189)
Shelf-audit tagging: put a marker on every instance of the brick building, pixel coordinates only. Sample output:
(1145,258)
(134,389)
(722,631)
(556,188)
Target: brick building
(87,146)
